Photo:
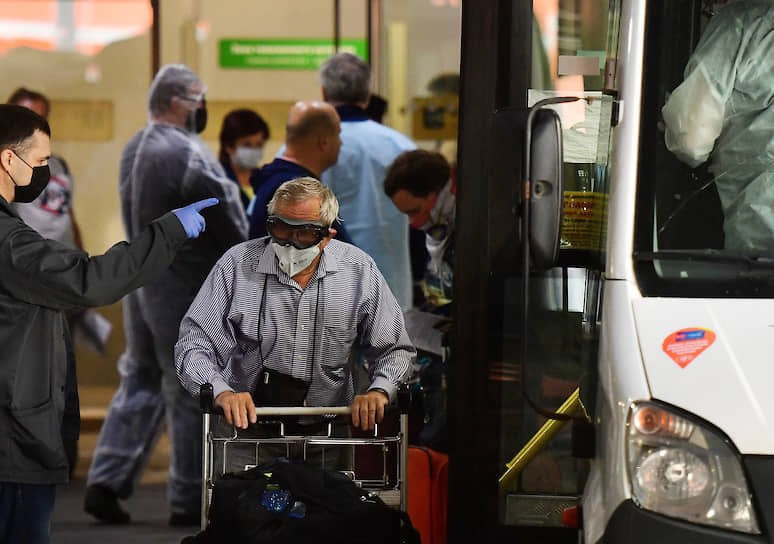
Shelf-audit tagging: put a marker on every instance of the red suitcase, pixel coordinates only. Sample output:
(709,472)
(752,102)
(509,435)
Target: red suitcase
(428,475)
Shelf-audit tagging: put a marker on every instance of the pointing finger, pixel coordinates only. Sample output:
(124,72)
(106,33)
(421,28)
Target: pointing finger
(206,203)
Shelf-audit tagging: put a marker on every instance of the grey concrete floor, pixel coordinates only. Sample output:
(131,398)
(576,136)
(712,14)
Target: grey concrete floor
(148,508)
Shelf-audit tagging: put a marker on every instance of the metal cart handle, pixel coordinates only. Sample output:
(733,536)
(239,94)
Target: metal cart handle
(207,404)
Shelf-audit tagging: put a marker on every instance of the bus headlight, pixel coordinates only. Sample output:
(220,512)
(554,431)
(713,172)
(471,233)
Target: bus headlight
(681,469)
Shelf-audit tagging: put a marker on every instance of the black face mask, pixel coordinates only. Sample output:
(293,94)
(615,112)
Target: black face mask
(198,118)
(40,178)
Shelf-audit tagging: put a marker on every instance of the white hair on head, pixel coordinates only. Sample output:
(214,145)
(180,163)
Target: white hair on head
(301,189)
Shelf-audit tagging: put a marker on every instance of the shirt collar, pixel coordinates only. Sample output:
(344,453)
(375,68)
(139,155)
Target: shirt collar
(348,112)
(328,262)
(294,168)
(267,262)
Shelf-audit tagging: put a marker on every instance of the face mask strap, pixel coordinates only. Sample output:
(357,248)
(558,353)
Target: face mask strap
(25,162)
(19,157)
(10,176)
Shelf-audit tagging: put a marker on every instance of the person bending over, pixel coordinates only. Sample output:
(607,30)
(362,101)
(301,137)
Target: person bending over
(278,317)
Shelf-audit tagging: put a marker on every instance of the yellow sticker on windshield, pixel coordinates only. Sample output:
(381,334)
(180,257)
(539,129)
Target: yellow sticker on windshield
(584,220)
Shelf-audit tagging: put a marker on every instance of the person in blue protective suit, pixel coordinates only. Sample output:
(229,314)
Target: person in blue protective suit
(367,150)
(243,135)
(164,164)
(40,280)
(312,144)
(722,112)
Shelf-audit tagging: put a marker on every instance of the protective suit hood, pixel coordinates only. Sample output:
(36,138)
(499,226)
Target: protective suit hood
(172,80)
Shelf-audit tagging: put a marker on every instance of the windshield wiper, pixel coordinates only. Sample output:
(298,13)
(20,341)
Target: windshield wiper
(706,255)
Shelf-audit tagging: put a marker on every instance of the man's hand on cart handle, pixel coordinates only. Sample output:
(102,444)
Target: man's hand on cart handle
(368,409)
(239,408)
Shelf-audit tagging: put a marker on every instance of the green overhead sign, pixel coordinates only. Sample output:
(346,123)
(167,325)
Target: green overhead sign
(284,54)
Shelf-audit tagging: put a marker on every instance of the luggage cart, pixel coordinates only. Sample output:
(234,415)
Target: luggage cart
(393,493)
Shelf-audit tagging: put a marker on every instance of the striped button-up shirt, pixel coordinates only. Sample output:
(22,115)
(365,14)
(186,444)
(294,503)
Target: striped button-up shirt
(307,333)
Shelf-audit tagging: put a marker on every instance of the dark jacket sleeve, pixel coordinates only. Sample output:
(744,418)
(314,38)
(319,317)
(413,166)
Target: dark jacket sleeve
(46,273)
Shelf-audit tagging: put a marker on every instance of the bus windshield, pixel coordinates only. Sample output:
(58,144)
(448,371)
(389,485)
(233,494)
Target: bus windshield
(705,198)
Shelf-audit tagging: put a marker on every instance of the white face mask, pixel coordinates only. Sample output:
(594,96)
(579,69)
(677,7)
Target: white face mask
(248,157)
(292,260)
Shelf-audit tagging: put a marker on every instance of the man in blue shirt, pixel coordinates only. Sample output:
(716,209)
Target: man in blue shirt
(367,150)
(312,144)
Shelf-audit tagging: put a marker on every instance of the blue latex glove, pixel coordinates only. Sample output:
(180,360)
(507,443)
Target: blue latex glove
(189,216)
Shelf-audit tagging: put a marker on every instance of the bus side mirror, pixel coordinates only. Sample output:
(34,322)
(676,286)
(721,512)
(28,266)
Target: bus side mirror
(546,187)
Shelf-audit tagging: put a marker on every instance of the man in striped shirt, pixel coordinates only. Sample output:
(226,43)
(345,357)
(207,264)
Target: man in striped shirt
(295,303)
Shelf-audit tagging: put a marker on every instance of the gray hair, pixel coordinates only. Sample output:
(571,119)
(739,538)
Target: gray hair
(345,78)
(301,189)
(171,80)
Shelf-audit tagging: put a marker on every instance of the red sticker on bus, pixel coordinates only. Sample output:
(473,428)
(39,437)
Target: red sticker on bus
(685,345)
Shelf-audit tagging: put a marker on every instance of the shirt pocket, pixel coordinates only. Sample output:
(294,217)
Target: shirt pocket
(337,345)
(245,351)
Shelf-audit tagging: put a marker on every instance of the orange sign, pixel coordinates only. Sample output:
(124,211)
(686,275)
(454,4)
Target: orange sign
(685,345)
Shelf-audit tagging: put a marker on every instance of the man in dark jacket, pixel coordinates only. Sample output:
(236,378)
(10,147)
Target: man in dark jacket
(311,145)
(39,280)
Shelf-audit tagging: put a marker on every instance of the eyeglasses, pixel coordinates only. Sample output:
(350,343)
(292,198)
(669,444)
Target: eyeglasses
(198,97)
(193,99)
(299,235)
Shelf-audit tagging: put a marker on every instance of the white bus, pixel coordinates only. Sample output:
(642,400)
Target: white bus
(611,373)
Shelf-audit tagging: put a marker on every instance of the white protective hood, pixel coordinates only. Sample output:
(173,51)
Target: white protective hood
(720,367)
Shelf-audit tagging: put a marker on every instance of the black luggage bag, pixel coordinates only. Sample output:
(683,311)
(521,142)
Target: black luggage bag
(289,501)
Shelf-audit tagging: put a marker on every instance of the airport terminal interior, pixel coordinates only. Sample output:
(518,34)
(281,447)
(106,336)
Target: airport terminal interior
(552,186)
(94,60)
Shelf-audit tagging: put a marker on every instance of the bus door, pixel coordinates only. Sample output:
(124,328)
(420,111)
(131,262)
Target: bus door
(524,367)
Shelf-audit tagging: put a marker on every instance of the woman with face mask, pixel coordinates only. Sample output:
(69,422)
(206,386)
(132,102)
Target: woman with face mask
(242,138)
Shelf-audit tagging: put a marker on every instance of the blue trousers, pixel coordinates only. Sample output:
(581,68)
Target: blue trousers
(149,390)
(25,512)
